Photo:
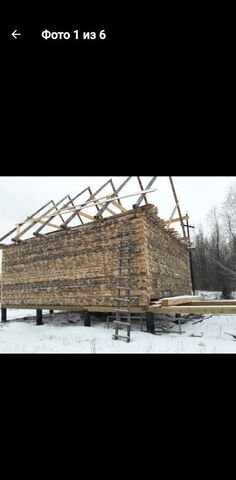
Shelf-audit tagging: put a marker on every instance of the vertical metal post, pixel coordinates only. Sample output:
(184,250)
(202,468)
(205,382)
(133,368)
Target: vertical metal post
(178,315)
(39,317)
(128,333)
(190,258)
(116,332)
(87,319)
(3,315)
(150,322)
(51,312)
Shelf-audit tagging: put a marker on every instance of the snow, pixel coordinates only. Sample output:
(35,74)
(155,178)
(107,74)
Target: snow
(13,313)
(65,333)
(212,295)
(178,297)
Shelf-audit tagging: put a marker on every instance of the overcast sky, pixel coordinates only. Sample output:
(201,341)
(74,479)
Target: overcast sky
(21,196)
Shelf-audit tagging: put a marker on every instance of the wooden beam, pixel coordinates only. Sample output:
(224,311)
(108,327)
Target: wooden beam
(63,208)
(7,234)
(213,302)
(22,223)
(114,189)
(193,309)
(178,207)
(140,199)
(75,308)
(111,211)
(86,215)
(46,218)
(171,217)
(115,194)
(101,201)
(119,205)
(78,215)
(54,214)
(49,224)
(91,198)
(36,220)
(180,300)
(174,220)
(55,205)
(184,309)
(141,186)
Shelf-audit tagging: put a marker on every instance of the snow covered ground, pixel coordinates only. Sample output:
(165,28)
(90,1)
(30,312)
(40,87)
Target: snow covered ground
(213,295)
(65,333)
(25,337)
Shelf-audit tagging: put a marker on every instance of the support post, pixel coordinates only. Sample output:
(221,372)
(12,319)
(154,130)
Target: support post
(87,319)
(178,207)
(190,257)
(3,315)
(150,322)
(51,312)
(39,317)
(178,316)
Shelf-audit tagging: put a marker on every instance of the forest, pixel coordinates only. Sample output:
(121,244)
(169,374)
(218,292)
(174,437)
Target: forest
(214,257)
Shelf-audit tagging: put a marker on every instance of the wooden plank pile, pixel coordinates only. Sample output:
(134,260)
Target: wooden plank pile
(193,305)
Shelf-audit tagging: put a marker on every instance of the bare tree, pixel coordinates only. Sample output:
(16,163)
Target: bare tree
(229,276)
(214,259)
(228,211)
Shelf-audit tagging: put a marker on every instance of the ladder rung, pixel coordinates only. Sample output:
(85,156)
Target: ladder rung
(123,288)
(120,310)
(116,322)
(116,337)
(122,276)
(124,258)
(119,299)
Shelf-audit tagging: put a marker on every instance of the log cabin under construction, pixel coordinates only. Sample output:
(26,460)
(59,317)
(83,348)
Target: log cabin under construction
(122,261)
(79,268)
(83,266)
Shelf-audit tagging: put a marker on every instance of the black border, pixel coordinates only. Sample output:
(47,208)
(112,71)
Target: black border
(159,94)
(137,103)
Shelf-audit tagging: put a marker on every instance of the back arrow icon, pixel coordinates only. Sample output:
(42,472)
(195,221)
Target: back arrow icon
(14,34)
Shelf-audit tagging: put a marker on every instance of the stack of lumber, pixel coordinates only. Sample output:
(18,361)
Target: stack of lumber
(193,305)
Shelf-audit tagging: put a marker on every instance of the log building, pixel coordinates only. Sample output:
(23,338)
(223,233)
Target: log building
(77,268)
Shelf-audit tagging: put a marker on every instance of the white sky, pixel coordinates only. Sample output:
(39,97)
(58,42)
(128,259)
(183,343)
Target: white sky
(21,196)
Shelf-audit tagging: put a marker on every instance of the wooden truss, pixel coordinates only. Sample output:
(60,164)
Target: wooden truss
(69,207)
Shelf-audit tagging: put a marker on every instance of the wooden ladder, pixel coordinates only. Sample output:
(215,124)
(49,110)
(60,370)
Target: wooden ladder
(123,288)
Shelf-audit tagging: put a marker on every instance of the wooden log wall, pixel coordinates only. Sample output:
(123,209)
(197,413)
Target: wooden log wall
(74,267)
(78,267)
(168,261)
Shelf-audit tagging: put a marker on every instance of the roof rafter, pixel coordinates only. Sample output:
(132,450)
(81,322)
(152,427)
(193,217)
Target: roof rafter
(92,197)
(65,205)
(116,191)
(38,219)
(142,196)
(178,206)
(68,208)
